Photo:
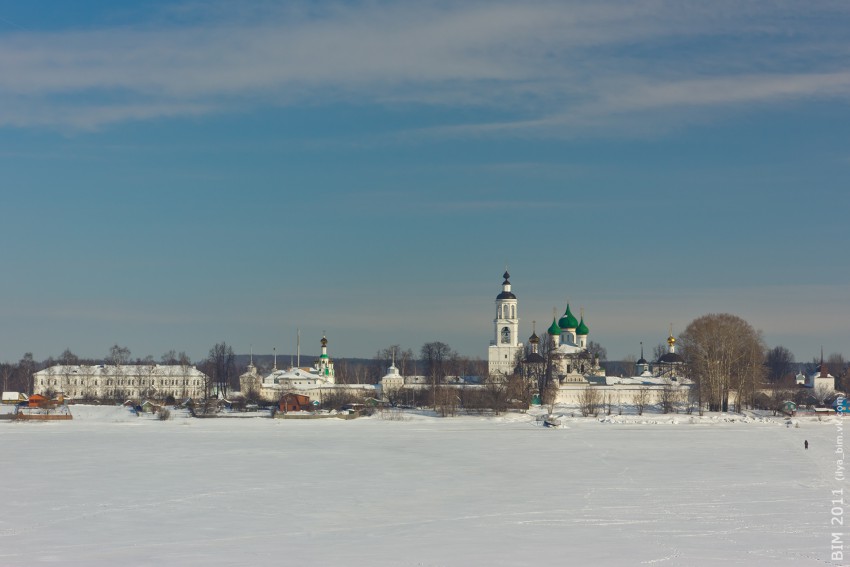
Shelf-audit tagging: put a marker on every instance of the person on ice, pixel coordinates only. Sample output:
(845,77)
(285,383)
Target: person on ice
(806,444)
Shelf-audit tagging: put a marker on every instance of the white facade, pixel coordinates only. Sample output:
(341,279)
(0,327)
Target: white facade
(392,380)
(122,381)
(324,365)
(821,380)
(505,345)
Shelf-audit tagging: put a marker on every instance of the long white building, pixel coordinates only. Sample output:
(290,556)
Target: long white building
(125,381)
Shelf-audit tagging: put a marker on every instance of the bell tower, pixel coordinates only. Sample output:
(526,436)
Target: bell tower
(501,355)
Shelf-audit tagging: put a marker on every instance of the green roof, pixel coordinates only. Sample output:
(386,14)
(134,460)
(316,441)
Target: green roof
(582,328)
(554,329)
(568,321)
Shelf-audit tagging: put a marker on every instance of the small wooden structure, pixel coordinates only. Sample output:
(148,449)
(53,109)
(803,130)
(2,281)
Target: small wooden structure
(39,408)
(14,398)
(37,400)
(294,402)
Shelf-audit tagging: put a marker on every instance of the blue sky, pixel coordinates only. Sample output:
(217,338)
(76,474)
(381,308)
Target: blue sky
(177,174)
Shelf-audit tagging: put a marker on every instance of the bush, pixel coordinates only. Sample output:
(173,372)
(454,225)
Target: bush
(164,414)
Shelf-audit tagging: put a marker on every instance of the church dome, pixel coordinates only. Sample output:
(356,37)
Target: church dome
(554,329)
(671,358)
(506,288)
(642,360)
(534,358)
(582,328)
(534,338)
(568,321)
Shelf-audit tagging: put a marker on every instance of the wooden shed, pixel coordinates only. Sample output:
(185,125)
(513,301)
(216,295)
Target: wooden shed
(294,402)
(37,401)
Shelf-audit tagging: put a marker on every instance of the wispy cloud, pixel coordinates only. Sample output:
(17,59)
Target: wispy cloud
(539,65)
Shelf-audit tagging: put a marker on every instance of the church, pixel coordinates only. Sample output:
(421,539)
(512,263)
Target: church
(573,368)
(567,342)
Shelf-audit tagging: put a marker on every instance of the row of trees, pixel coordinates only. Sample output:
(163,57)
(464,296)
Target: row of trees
(723,352)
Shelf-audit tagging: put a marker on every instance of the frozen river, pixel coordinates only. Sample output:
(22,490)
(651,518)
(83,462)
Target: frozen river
(108,488)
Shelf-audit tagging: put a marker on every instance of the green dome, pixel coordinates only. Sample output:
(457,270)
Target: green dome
(554,329)
(568,321)
(582,328)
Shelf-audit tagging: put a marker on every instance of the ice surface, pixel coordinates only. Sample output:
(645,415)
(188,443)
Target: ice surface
(110,488)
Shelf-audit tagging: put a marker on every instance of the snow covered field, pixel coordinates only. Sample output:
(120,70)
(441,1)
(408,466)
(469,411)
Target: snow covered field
(109,488)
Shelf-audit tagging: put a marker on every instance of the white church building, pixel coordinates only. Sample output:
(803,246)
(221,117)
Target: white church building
(573,366)
(505,345)
(316,381)
(567,341)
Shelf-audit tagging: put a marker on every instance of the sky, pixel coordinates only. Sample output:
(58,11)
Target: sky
(176,174)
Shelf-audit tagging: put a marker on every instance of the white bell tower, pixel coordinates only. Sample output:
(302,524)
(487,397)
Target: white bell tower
(501,355)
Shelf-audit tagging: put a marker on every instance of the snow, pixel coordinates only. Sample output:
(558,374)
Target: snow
(416,490)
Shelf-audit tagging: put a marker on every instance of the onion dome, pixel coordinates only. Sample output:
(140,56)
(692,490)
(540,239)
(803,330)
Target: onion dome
(671,358)
(582,328)
(534,339)
(324,341)
(534,358)
(554,329)
(506,288)
(568,321)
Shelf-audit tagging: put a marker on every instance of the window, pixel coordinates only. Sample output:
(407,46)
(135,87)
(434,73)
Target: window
(506,336)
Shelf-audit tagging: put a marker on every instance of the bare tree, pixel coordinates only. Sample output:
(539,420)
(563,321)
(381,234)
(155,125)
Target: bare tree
(779,362)
(446,400)
(822,393)
(68,358)
(7,371)
(118,357)
(435,357)
(723,352)
(222,365)
(640,399)
(22,379)
(496,394)
(777,398)
(588,401)
(668,396)
(147,369)
(659,350)
(185,369)
(837,366)
(169,357)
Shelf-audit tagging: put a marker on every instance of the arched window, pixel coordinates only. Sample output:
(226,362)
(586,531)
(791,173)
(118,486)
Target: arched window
(513,311)
(506,336)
